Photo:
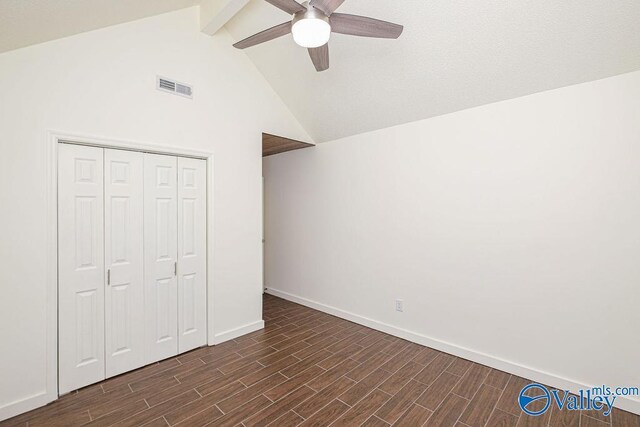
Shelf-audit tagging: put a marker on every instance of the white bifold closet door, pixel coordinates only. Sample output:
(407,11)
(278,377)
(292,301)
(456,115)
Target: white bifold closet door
(81,272)
(175,255)
(192,254)
(161,255)
(132,261)
(124,249)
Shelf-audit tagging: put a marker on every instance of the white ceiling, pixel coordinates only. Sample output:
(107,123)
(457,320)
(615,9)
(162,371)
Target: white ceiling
(454,54)
(27,22)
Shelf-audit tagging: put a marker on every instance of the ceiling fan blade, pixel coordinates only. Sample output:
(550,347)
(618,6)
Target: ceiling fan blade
(362,26)
(320,57)
(327,6)
(290,6)
(264,36)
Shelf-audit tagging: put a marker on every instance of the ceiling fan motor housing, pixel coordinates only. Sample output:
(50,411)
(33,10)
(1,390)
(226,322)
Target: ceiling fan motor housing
(310,13)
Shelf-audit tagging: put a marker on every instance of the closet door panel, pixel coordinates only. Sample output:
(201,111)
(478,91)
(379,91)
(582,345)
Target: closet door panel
(160,237)
(124,240)
(81,266)
(192,253)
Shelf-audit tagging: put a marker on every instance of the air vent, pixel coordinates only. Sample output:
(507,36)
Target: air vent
(172,86)
(183,90)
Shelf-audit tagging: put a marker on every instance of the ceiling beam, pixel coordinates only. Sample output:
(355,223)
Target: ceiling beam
(214,14)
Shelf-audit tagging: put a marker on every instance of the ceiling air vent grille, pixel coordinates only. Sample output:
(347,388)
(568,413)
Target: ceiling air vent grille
(183,90)
(172,86)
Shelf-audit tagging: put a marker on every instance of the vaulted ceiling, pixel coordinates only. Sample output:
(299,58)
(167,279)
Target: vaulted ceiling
(27,22)
(454,54)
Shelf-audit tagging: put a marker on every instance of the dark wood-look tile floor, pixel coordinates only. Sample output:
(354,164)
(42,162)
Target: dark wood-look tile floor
(311,369)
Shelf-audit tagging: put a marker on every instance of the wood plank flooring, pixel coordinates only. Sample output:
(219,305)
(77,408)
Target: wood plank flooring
(310,369)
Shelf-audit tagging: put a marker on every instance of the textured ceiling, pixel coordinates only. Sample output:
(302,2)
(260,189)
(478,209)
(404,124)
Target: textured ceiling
(454,54)
(27,22)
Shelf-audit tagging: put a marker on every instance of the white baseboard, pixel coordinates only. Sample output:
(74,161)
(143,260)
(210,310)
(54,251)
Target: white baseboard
(536,375)
(238,332)
(25,405)
(36,401)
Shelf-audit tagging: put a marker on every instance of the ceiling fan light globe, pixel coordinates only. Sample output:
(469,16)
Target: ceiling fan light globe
(311,32)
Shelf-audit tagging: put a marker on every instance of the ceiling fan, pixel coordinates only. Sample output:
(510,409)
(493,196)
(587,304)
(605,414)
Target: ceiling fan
(312,24)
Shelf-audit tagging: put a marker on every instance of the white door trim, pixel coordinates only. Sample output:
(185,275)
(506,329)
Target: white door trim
(51,187)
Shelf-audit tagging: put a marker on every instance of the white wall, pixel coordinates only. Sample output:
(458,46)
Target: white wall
(103,83)
(511,231)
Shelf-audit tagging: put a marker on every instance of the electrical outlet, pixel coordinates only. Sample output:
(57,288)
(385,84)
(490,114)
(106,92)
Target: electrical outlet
(399,305)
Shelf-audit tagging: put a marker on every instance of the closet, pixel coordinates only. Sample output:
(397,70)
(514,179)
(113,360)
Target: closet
(132,260)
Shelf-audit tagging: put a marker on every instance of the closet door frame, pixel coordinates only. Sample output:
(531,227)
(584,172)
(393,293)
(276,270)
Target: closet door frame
(53,139)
